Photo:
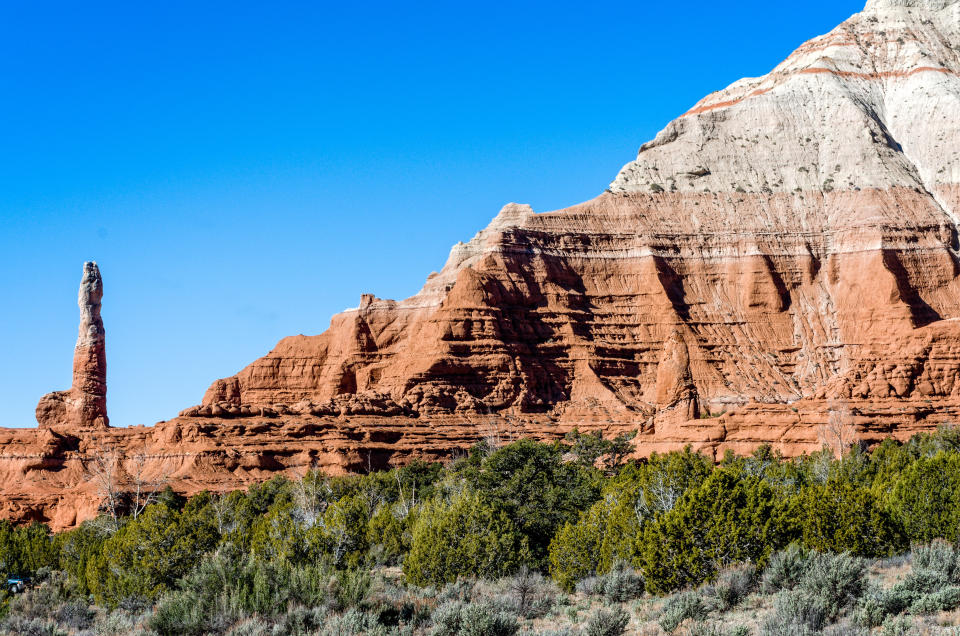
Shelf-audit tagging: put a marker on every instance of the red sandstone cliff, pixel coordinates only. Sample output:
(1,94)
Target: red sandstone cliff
(780,265)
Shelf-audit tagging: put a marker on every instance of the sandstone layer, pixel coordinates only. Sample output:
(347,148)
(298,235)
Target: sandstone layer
(780,265)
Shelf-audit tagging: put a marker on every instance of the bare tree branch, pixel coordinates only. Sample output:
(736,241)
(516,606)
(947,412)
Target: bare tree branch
(103,467)
(839,433)
(143,489)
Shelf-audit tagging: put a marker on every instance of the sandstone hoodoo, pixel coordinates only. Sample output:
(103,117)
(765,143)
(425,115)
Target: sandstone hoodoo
(85,404)
(779,265)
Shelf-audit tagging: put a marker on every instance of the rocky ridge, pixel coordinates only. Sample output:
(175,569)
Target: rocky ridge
(780,265)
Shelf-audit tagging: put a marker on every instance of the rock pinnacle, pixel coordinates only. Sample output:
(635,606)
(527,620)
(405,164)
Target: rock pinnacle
(85,404)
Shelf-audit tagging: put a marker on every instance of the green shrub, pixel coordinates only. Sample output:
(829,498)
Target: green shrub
(116,623)
(455,618)
(342,532)
(680,607)
(80,546)
(574,552)
(607,622)
(388,533)
(619,585)
(48,598)
(393,603)
(845,628)
(250,627)
(926,497)
(839,516)
(928,587)
(26,549)
(877,604)
(796,613)
(465,537)
(733,585)
(75,615)
(898,626)
(178,614)
(228,586)
(529,483)
(303,621)
(31,627)
(459,590)
(939,557)
(278,535)
(942,600)
(531,595)
(587,448)
(730,518)
(349,587)
(706,629)
(148,555)
(923,581)
(837,579)
(611,529)
(784,569)
(661,482)
(590,586)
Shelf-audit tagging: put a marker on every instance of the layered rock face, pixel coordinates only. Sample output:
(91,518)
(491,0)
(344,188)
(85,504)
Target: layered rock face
(85,404)
(780,265)
(785,231)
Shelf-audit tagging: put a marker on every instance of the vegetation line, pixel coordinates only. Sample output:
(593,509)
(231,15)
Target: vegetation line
(563,538)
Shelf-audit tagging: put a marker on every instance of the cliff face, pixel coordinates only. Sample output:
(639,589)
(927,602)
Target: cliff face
(788,230)
(780,265)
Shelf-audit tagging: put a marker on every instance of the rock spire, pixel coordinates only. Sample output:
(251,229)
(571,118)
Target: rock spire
(85,404)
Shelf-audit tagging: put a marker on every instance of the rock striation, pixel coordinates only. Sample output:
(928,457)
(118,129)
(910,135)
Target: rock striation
(780,265)
(764,247)
(85,404)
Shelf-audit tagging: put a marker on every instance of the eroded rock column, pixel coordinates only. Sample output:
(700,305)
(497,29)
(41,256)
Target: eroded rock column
(85,404)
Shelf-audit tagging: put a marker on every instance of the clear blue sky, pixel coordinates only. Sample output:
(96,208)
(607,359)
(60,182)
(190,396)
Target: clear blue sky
(242,171)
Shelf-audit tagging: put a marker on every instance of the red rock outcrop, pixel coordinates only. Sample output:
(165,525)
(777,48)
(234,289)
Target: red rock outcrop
(85,404)
(780,265)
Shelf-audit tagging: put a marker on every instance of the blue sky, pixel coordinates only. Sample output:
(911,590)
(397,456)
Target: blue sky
(242,171)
